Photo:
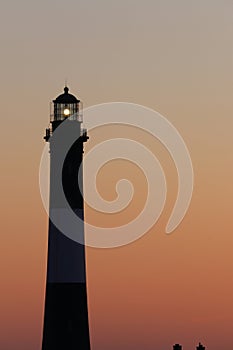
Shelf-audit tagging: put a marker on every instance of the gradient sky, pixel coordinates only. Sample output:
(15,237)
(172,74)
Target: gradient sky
(175,57)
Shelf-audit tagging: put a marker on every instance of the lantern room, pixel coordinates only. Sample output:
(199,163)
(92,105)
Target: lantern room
(65,106)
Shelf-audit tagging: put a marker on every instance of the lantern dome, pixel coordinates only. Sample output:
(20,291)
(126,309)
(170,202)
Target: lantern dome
(66,97)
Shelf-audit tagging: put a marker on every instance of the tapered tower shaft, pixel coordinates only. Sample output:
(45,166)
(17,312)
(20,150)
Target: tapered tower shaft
(66,312)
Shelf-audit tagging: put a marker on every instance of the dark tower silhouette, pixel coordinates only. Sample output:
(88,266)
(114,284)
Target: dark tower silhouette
(177,347)
(65,314)
(200,347)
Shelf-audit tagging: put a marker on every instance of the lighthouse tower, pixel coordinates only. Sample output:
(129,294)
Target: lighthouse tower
(65,314)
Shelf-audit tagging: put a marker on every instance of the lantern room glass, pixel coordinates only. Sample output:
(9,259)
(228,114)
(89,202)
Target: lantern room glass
(62,111)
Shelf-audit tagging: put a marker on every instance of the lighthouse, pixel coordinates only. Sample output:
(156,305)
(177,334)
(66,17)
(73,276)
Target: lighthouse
(65,311)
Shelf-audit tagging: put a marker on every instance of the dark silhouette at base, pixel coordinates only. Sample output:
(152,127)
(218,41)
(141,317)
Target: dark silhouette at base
(179,347)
